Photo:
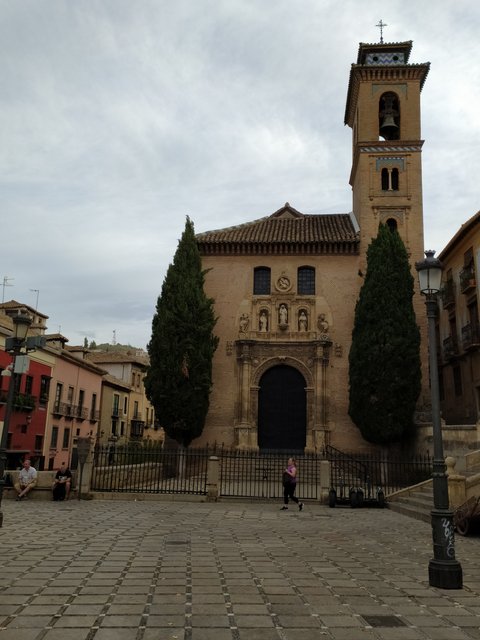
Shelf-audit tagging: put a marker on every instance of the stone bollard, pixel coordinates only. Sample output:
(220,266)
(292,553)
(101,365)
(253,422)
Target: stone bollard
(213,479)
(324,481)
(85,448)
(457,493)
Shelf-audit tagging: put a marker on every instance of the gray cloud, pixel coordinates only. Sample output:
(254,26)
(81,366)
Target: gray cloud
(120,118)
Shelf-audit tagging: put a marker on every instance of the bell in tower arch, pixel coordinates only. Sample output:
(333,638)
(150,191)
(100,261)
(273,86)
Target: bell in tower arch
(389,117)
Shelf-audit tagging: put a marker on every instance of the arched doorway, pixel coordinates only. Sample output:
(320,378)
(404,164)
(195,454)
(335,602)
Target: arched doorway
(282,410)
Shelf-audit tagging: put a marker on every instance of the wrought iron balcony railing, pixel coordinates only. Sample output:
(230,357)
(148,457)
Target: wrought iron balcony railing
(450,348)
(468,281)
(471,335)
(448,294)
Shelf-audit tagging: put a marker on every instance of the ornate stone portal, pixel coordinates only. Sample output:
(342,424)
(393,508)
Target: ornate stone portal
(310,358)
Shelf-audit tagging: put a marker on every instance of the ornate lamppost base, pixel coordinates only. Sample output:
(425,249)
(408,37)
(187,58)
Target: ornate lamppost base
(445,574)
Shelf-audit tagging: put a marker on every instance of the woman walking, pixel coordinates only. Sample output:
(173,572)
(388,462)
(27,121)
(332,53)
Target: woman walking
(290,484)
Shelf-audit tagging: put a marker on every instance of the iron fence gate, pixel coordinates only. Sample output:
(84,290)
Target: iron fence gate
(252,474)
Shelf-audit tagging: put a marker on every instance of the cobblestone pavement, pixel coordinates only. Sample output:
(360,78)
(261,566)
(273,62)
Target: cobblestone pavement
(168,570)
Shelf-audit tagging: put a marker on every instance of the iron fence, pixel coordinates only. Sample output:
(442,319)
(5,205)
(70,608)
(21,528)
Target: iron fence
(370,472)
(136,468)
(149,469)
(258,474)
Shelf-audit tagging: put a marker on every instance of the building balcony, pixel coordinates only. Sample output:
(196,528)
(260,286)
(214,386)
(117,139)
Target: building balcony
(471,336)
(63,409)
(80,412)
(94,415)
(448,294)
(468,282)
(450,348)
(24,402)
(21,401)
(136,428)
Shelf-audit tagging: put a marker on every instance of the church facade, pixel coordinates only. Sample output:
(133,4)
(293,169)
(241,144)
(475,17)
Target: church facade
(285,286)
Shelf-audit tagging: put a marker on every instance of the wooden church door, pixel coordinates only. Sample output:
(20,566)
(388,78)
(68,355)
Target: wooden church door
(282,412)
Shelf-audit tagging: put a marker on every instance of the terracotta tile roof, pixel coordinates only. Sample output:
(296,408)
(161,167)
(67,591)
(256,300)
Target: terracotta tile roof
(14,305)
(287,231)
(115,357)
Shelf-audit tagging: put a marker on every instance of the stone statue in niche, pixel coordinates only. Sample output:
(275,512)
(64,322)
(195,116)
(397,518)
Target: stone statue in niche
(323,323)
(244,322)
(302,321)
(283,315)
(263,321)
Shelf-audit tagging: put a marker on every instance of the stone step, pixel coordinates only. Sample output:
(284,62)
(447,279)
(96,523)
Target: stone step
(416,504)
(411,512)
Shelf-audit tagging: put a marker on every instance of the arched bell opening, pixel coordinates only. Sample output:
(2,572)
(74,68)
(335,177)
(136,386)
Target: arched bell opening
(389,117)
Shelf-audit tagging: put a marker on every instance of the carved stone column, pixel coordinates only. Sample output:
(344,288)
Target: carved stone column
(321,431)
(243,427)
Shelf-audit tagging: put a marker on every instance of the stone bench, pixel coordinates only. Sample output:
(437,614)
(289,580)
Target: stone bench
(43,490)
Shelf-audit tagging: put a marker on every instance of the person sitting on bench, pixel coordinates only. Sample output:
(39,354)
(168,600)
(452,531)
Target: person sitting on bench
(62,483)
(27,480)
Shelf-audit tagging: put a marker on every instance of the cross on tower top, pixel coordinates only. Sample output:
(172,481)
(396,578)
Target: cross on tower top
(381,24)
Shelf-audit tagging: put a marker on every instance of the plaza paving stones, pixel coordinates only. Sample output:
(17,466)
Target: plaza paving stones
(166,570)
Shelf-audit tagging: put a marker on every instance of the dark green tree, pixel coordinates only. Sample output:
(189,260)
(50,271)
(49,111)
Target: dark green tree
(179,378)
(385,374)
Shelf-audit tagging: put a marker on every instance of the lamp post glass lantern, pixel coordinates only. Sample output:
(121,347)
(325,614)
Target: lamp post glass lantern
(14,345)
(444,571)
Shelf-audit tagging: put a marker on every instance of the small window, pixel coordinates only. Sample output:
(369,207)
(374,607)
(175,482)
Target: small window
(38,443)
(28,385)
(44,389)
(261,281)
(94,406)
(66,438)
(306,281)
(457,381)
(54,438)
(58,394)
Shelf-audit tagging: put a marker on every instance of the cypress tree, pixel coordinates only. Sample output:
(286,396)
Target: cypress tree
(179,378)
(384,359)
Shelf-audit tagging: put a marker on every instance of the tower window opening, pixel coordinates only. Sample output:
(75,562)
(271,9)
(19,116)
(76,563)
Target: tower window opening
(394,179)
(385,179)
(389,117)
(392,224)
(390,179)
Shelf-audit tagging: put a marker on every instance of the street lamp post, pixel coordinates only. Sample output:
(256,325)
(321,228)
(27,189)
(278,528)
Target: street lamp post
(444,571)
(21,324)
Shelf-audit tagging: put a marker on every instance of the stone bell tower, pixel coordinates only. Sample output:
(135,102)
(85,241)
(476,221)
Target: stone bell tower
(383,111)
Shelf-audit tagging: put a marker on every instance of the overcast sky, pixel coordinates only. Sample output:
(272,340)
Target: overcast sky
(121,117)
